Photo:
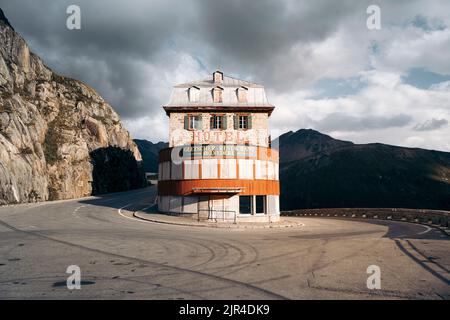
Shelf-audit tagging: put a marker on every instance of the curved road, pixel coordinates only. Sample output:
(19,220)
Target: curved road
(125,258)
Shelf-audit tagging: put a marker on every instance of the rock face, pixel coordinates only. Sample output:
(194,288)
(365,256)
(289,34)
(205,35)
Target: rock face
(50,126)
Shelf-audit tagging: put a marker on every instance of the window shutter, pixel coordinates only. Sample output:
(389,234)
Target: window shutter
(200,124)
(236,122)
(211,122)
(249,122)
(186,122)
(224,122)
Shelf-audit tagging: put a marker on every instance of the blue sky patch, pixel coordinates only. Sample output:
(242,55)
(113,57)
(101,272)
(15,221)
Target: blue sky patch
(328,88)
(427,24)
(423,79)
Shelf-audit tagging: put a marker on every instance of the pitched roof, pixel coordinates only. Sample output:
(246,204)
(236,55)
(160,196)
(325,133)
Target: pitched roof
(227,82)
(256,95)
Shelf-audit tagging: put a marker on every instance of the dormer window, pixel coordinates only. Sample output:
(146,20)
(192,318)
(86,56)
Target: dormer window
(218,77)
(194,94)
(242,94)
(217,94)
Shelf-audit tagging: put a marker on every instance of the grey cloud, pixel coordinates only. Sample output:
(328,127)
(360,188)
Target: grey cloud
(343,122)
(242,37)
(116,39)
(430,124)
(260,35)
(245,38)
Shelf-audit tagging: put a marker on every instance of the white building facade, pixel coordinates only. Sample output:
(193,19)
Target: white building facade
(219,165)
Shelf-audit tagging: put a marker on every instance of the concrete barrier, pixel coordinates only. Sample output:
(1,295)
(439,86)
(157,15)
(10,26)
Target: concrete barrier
(435,218)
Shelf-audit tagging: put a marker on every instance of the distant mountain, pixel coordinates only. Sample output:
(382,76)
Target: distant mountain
(317,171)
(307,142)
(149,152)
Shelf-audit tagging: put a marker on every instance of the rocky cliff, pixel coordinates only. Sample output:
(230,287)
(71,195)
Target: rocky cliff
(50,126)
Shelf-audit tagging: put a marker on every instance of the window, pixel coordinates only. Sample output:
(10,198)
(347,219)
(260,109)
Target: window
(191,169)
(260,169)
(242,122)
(242,94)
(245,204)
(217,94)
(193,122)
(194,94)
(218,122)
(245,168)
(209,168)
(218,77)
(227,168)
(260,204)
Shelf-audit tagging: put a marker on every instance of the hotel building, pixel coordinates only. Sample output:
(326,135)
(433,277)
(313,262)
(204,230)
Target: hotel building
(219,165)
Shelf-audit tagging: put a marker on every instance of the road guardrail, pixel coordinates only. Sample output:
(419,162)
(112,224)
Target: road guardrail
(435,218)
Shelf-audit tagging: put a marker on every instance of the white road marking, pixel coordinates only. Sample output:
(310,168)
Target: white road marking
(77,208)
(75,211)
(120,210)
(428,229)
(132,218)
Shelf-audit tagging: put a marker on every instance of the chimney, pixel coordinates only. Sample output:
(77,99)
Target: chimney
(218,77)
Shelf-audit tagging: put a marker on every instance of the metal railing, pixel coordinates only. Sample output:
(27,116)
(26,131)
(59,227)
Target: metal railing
(437,218)
(219,215)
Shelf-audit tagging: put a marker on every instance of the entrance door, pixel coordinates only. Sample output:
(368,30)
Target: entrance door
(220,206)
(214,207)
(217,207)
(203,207)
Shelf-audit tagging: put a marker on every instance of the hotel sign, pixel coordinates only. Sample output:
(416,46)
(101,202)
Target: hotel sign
(219,150)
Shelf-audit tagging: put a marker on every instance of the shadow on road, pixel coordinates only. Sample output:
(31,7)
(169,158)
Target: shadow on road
(407,230)
(133,199)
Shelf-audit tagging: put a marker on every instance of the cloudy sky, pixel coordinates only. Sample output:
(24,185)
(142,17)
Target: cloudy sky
(321,65)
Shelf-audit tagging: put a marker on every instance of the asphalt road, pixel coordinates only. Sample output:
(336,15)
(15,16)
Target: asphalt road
(124,258)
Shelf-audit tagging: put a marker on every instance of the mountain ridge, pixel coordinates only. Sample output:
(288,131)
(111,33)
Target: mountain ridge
(150,153)
(366,175)
(306,142)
